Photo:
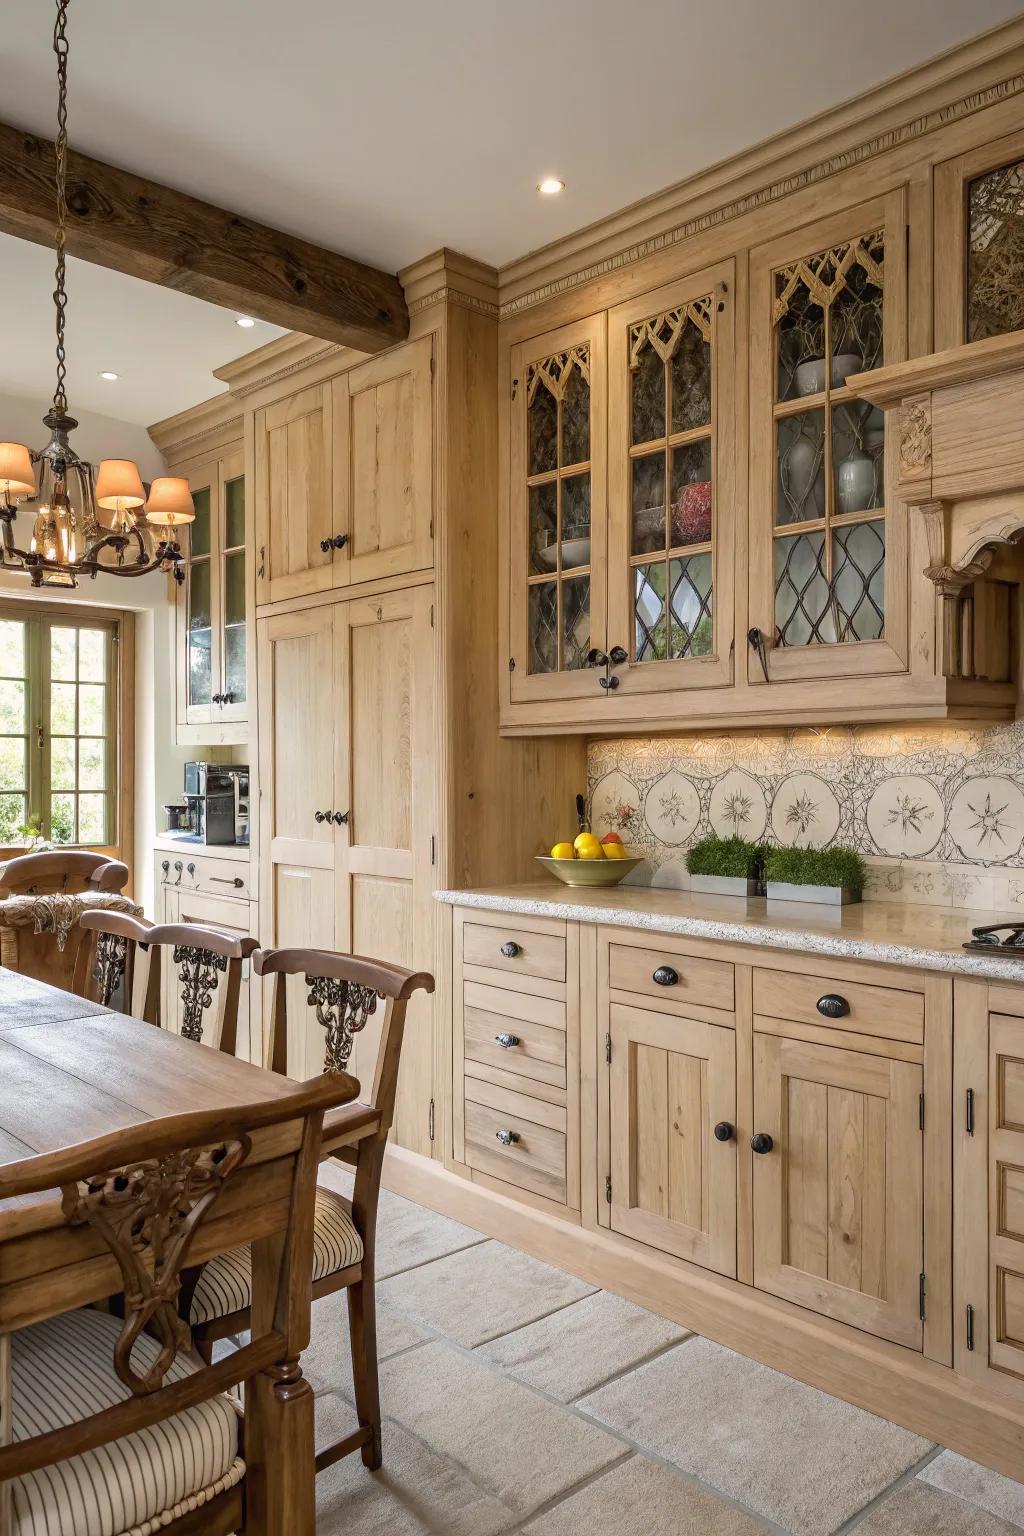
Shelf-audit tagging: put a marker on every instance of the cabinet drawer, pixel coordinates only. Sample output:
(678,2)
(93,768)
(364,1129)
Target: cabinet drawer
(508,1139)
(516,950)
(212,877)
(684,978)
(862,1008)
(515,1032)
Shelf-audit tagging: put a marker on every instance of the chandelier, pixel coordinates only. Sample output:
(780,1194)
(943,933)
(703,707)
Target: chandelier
(61,491)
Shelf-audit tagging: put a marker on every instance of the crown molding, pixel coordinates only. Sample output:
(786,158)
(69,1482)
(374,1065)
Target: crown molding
(189,432)
(449,277)
(956,84)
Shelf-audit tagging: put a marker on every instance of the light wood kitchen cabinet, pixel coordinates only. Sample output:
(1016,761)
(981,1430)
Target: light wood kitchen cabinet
(293,495)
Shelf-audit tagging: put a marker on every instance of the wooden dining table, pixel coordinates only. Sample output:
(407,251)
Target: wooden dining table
(71,1071)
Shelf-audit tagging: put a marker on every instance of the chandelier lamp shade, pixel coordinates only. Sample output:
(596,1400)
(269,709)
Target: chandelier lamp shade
(85,521)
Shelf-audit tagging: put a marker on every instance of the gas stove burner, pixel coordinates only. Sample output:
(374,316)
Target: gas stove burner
(997,936)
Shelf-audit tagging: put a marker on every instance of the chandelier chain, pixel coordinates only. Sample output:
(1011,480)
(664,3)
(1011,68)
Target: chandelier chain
(60,297)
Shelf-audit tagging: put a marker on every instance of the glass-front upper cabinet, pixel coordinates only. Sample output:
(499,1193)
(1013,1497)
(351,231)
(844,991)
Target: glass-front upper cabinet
(557,512)
(828,568)
(979,243)
(670,484)
(212,629)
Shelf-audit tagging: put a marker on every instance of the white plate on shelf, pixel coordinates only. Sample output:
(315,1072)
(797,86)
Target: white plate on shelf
(575,552)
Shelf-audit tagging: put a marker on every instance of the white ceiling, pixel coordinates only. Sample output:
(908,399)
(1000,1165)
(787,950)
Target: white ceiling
(386,128)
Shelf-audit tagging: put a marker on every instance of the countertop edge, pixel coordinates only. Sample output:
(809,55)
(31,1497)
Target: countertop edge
(735,932)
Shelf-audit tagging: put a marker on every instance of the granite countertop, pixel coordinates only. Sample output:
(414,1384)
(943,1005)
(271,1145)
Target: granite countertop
(892,933)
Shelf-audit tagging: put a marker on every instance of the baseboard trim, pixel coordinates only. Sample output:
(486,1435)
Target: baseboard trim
(886,1379)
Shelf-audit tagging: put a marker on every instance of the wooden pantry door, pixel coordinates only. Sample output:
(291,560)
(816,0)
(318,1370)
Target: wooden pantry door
(294,504)
(384,667)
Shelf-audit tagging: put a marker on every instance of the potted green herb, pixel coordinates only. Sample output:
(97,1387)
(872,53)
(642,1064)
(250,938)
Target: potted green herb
(724,866)
(828,876)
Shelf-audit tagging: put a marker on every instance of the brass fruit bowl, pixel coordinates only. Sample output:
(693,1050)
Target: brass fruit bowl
(588,871)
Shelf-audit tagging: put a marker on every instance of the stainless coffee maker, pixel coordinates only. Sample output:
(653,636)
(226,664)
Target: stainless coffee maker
(217,796)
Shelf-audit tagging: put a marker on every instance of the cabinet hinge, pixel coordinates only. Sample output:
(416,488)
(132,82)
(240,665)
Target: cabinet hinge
(608,1188)
(431,609)
(970,1111)
(515,387)
(433,849)
(433,365)
(970,1326)
(920,1295)
(431,527)
(920,1111)
(607,1047)
(430,1120)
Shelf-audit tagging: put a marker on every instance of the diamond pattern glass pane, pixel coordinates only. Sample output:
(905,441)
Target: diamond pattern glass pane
(691,494)
(647,388)
(575,623)
(649,503)
(800,459)
(542,432)
(575,419)
(651,631)
(802,612)
(801,344)
(690,368)
(543,619)
(856,322)
(199,532)
(858,580)
(543,500)
(692,630)
(858,468)
(995,252)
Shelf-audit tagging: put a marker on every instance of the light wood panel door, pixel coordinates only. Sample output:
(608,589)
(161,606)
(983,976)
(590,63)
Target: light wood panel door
(673,1181)
(293,493)
(838,1196)
(299,743)
(383,464)
(1006,1194)
(384,666)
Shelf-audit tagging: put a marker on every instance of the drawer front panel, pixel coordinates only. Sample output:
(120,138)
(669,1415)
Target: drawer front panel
(868,1010)
(671,978)
(526,1154)
(515,950)
(211,877)
(515,1032)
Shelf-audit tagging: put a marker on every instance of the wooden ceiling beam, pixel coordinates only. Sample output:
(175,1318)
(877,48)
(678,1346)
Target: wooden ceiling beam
(120,220)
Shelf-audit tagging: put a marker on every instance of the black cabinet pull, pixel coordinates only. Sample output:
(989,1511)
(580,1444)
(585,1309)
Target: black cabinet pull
(319,816)
(339,817)
(336,541)
(506,1041)
(224,880)
(665,976)
(761,1143)
(724,1131)
(510,949)
(165,865)
(507,1138)
(832,1006)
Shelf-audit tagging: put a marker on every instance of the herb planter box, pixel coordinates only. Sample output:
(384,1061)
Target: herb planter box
(723,885)
(820,895)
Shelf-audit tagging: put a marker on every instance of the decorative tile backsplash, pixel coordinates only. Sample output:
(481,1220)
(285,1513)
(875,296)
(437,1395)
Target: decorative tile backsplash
(937,812)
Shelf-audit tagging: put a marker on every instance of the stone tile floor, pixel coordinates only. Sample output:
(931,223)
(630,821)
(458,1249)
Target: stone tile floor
(518,1399)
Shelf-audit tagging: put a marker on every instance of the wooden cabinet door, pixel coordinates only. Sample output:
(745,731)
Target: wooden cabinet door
(838,1199)
(298,756)
(671,479)
(197,602)
(979,271)
(673,1181)
(557,501)
(294,509)
(384,664)
(384,464)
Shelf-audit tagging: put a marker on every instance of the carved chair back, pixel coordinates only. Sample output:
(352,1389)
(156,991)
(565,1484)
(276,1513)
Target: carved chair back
(146,1193)
(346,993)
(71,870)
(115,965)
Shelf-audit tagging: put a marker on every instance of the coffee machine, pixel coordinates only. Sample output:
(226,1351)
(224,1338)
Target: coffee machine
(217,797)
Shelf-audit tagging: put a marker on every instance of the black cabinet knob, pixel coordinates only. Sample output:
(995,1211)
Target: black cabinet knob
(507,1138)
(761,1143)
(325,545)
(506,1041)
(319,816)
(617,656)
(165,865)
(665,976)
(190,869)
(339,817)
(724,1131)
(510,949)
(339,541)
(833,1006)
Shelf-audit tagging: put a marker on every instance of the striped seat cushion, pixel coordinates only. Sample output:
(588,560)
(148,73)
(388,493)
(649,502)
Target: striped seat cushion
(225,1285)
(62,1370)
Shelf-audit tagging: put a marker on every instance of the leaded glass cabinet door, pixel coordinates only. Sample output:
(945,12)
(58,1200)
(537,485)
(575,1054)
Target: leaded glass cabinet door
(557,505)
(829,570)
(199,600)
(234,582)
(670,484)
(979,243)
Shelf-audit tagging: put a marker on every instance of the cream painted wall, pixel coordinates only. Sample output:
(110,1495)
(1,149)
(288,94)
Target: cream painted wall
(158,762)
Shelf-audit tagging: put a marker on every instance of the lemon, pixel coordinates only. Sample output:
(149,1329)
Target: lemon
(587,840)
(589,850)
(615,851)
(563,851)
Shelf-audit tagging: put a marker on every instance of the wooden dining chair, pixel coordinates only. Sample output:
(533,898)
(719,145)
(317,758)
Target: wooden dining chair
(344,992)
(204,966)
(111,1424)
(114,966)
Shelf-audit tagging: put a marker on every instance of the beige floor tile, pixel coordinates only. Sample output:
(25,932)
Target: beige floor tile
(407,1234)
(575,1350)
(644,1498)
(802,1459)
(481,1292)
(1001,1496)
(513,1443)
(327,1363)
(918,1510)
(415,1493)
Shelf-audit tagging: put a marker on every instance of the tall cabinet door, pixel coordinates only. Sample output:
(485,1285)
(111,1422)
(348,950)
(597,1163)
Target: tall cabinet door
(298,754)
(672,1081)
(294,511)
(384,663)
(383,464)
(838,1195)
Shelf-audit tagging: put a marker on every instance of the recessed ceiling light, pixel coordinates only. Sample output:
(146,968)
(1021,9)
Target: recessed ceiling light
(550,186)
(246,322)
(110,377)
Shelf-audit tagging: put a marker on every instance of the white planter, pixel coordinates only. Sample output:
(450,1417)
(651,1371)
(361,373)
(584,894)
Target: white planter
(819,895)
(722,885)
